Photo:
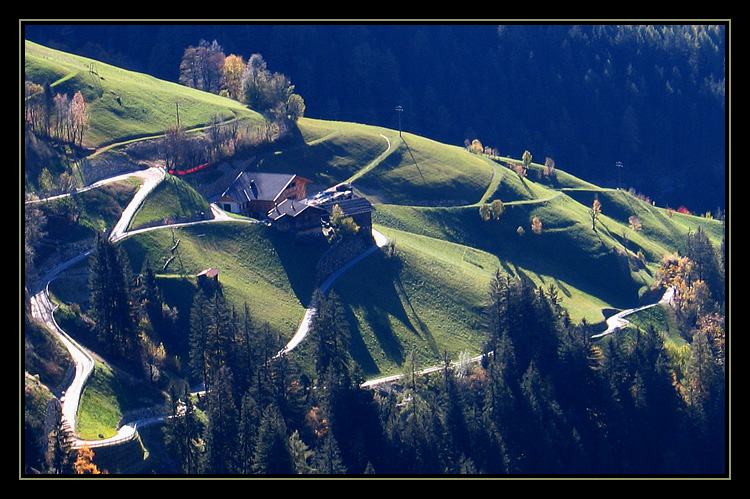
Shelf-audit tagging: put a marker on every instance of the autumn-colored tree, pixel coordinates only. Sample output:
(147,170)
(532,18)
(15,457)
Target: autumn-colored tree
(519,169)
(79,118)
(594,212)
(484,211)
(476,147)
(536,225)
(34,108)
(713,327)
(692,297)
(497,208)
(201,66)
(340,226)
(549,167)
(672,268)
(234,66)
(493,210)
(84,464)
(526,159)
(635,223)
(153,354)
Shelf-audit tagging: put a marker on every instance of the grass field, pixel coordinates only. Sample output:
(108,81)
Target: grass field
(123,104)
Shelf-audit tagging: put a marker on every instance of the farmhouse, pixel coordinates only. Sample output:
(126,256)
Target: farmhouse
(255,194)
(307,217)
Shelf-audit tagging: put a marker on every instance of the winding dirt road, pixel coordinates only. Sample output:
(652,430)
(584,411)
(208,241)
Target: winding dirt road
(43,309)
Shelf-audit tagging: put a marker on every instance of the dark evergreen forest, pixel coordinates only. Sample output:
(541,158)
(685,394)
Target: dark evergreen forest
(651,97)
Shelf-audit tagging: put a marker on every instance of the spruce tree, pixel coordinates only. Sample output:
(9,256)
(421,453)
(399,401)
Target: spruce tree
(182,431)
(330,333)
(199,351)
(271,450)
(112,304)
(248,433)
(58,441)
(222,426)
(327,457)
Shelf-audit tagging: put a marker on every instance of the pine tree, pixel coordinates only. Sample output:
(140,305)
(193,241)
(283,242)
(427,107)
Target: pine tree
(327,457)
(271,451)
(182,431)
(112,304)
(222,426)
(330,333)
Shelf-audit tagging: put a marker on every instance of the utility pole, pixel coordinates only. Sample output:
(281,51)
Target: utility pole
(618,164)
(399,110)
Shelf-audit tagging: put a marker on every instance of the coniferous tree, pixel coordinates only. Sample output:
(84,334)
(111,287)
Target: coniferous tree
(706,262)
(248,433)
(183,429)
(200,320)
(222,426)
(58,441)
(244,361)
(271,450)
(330,333)
(300,454)
(328,458)
(112,304)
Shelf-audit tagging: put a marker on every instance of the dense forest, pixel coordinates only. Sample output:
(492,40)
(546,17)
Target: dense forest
(649,97)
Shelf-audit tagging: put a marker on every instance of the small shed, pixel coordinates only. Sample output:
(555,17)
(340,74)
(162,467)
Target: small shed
(208,276)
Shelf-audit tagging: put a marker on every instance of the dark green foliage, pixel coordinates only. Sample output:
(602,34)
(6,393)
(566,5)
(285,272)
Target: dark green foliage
(706,261)
(112,300)
(222,426)
(183,431)
(330,333)
(271,452)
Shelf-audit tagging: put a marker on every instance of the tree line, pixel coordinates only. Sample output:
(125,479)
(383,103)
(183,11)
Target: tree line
(54,115)
(205,67)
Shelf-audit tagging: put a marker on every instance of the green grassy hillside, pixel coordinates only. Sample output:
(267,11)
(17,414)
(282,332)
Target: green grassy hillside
(256,266)
(123,104)
(429,296)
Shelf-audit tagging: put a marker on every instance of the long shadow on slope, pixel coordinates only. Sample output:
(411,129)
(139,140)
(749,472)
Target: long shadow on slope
(567,250)
(300,260)
(371,295)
